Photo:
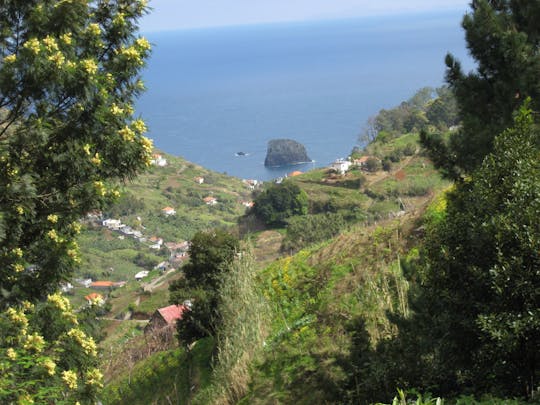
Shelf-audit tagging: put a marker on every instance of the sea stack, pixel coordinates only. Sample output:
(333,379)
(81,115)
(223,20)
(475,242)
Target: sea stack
(285,152)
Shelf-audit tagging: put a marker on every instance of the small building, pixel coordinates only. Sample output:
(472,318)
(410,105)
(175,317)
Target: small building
(168,211)
(251,183)
(162,266)
(141,274)
(210,200)
(295,173)
(94,299)
(66,287)
(84,282)
(111,223)
(177,246)
(199,180)
(248,204)
(341,166)
(162,323)
(361,161)
(102,285)
(158,160)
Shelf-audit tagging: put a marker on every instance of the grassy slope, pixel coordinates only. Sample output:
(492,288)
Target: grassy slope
(316,295)
(107,257)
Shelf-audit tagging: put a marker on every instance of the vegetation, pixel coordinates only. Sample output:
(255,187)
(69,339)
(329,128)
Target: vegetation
(211,254)
(503,39)
(68,79)
(279,202)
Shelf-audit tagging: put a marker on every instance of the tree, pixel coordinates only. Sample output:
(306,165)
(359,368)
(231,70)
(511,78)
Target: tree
(68,78)
(503,37)
(279,202)
(479,299)
(210,253)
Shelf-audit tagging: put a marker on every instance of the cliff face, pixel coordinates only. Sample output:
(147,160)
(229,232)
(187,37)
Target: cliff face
(283,152)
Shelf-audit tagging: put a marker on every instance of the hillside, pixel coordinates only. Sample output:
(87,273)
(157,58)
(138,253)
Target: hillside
(316,295)
(148,237)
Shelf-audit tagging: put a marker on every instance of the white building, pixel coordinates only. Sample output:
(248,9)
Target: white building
(341,166)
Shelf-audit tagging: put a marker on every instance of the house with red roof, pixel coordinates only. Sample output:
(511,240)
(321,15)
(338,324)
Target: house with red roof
(163,320)
(94,298)
(210,200)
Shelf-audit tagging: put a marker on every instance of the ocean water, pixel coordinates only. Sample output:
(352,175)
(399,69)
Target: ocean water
(215,92)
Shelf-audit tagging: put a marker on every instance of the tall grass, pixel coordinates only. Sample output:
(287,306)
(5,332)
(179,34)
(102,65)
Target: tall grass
(245,314)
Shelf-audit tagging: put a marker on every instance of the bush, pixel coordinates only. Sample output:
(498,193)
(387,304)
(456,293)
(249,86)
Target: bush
(279,202)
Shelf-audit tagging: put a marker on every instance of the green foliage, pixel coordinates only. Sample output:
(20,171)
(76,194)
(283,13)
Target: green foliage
(68,79)
(210,255)
(427,108)
(245,315)
(304,231)
(164,378)
(481,327)
(279,202)
(45,357)
(502,37)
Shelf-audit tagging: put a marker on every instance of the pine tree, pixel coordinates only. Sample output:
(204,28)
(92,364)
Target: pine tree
(503,38)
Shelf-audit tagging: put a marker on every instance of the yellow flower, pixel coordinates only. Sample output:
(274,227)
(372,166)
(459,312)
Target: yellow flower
(32,45)
(58,301)
(147,144)
(34,342)
(127,134)
(115,110)
(18,267)
(70,378)
(90,66)
(119,19)
(93,29)
(18,318)
(57,58)
(139,126)
(19,209)
(50,43)
(100,188)
(11,354)
(52,235)
(94,377)
(10,58)
(86,149)
(25,400)
(52,218)
(96,159)
(50,366)
(142,43)
(66,38)
(86,342)
(76,227)
(17,252)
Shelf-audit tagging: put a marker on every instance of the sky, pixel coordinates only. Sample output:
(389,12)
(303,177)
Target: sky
(185,14)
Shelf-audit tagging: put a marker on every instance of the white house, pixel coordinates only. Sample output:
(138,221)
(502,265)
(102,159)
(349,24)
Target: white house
(199,180)
(210,200)
(141,274)
(112,223)
(168,211)
(341,166)
(158,160)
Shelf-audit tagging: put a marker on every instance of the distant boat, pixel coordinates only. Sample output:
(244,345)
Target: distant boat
(241,154)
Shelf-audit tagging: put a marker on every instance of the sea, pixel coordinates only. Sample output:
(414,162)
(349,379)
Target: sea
(216,96)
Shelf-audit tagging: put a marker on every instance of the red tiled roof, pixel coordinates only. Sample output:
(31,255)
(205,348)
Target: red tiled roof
(172,313)
(102,284)
(93,296)
(208,199)
(295,173)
